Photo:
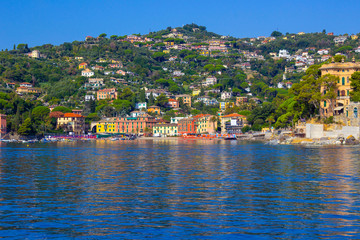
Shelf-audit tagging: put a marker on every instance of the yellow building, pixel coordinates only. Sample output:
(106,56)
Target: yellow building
(83,65)
(186,99)
(106,126)
(354,37)
(167,129)
(225,105)
(154,109)
(196,92)
(343,70)
(205,124)
(72,122)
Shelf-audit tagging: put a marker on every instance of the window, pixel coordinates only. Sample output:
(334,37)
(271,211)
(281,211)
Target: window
(347,80)
(338,93)
(348,93)
(355,112)
(324,103)
(343,81)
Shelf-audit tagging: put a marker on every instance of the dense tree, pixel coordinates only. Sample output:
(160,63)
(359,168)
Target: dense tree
(355,85)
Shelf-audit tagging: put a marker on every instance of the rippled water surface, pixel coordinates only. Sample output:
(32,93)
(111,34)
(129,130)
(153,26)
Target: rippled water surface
(178,189)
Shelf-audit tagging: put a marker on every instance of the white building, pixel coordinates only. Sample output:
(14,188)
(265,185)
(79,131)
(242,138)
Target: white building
(226,95)
(141,105)
(176,119)
(178,73)
(87,73)
(209,81)
(284,54)
(340,39)
(323,51)
(89,97)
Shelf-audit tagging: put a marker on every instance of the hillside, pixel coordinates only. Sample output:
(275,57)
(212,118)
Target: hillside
(181,60)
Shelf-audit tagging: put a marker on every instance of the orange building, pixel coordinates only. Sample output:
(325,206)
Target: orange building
(154,109)
(173,103)
(109,93)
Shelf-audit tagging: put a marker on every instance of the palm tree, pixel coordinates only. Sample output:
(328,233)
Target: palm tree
(214,119)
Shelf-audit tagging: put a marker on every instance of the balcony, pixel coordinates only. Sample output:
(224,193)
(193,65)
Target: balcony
(343,98)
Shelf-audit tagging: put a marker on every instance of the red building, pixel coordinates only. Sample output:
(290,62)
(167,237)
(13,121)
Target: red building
(2,124)
(187,125)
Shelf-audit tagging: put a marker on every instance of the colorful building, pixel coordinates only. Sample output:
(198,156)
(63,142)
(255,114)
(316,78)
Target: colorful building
(225,105)
(109,93)
(167,129)
(154,109)
(72,122)
(2,125)
(83,65)
(187,125)
(241,100)
(343,70)
(206,123)
(127,125)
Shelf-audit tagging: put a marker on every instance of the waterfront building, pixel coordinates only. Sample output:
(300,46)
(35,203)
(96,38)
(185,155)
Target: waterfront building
(187,125)
(2,125)
(109,93)
(167,129)
(206,123)
(72,122)
(232,123)
(126,125)
(350,117)
(343,70)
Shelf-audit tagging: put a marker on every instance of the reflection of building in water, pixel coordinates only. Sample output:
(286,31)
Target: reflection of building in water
(337,170)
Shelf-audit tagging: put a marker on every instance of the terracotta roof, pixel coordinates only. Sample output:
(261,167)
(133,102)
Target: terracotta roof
(233,115)
(67,115)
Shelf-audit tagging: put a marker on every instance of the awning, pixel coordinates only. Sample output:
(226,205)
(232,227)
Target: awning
(338,108)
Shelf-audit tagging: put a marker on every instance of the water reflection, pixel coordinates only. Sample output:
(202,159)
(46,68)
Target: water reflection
(178,188)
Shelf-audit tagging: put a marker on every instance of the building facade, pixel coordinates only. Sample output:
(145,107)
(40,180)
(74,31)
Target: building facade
(2,125)
(343,71)
(187,125)
(186,99)
(127,125)
(109,93)
(232,123)
(165,129)
(72,122)
(206,123)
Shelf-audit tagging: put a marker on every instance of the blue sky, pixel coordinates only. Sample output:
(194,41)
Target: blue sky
(38,22)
